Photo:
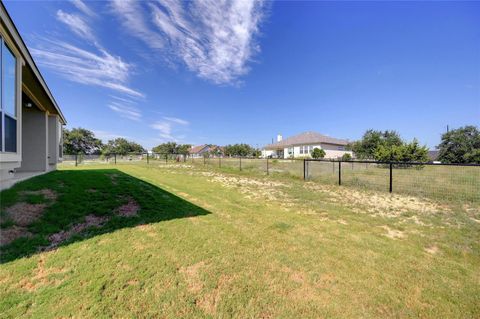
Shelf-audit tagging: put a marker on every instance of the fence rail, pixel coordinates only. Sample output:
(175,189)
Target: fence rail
(438,180)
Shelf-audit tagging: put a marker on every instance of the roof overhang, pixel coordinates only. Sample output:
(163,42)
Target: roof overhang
(33,83)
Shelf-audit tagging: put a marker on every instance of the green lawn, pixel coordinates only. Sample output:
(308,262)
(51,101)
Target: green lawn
(179,241)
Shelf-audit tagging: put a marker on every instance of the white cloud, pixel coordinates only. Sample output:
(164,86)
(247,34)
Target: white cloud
(105,136)
(77,24)
(176,120)
(169,128)
(165,128)
(126,111)
(132,18)
(91,68)
(84,8)
(215,39)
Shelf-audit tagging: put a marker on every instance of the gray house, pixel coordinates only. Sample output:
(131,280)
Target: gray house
(30,119)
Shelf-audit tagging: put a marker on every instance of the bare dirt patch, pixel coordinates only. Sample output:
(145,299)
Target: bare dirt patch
(113,178)
(192,276)
(129,209)
(23,214)
(90,221)
(393,233)
(377,204)
(46,192)
(10,234)
(432,249)
(252,188)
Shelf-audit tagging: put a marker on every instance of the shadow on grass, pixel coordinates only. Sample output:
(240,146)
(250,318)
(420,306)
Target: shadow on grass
(81,194)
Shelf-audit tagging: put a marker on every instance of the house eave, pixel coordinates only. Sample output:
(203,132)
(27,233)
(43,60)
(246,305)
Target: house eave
(30,63)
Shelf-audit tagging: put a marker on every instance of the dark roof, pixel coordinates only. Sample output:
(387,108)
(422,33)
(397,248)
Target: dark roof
(307,138)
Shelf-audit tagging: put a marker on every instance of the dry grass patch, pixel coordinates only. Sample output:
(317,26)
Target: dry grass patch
(23,214)
(192,276)
(41,276)
(377,204)
(10,234)
(209,301)
(129,209)
(432,249)
(46,192)
(64,235)
(393,233)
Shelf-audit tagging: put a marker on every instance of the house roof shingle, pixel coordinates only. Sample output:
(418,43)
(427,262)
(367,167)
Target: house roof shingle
(196,149)
(306,138)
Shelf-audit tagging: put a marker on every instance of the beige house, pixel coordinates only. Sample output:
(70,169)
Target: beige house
(30,119)
(302,145)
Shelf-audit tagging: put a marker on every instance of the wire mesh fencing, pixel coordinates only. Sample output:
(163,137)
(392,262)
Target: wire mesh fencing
(459,182)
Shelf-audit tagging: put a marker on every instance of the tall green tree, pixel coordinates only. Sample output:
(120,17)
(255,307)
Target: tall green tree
(371,140)
(80,141)
(406,152)
(172,148)
(239,150)
(461,145)
(122,146)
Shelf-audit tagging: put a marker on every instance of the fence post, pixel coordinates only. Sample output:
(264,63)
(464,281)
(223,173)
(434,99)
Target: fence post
(391,177)
(333,167)
(115,155)
(219,162)
(204,160)
(267,167)
(147,158)
(76,159)
(240,163)
(339,172)
(304,171)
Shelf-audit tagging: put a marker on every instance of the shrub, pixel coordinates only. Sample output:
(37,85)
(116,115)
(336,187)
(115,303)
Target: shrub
(318,153)
(346,157)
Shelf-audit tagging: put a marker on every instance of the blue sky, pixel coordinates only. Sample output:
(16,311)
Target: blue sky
(242,71)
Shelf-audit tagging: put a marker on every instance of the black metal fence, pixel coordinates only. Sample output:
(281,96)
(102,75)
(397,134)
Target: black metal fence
(459,182)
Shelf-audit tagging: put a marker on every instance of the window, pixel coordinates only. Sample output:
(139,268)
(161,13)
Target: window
(8,110)
(301,149)
(341,148)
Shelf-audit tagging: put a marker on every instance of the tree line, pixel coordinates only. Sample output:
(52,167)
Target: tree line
(460,145)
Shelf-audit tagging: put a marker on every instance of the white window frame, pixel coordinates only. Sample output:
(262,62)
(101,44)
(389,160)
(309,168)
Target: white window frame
(14,156)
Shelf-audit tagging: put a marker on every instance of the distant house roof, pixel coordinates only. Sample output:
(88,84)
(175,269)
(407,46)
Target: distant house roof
(205,148)
(433,155)
(306,138)
(197,149)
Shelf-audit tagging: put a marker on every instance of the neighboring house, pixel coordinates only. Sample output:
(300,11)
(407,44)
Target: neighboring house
(205,150)
(31,121)
(302,145)
(433,155)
